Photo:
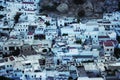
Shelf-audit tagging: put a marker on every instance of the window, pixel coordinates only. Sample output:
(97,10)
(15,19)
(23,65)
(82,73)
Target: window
(110,49)
(11,48)
(86,36)
(7,65)
(5,48)
(45,44)
(5,53)
(107,49)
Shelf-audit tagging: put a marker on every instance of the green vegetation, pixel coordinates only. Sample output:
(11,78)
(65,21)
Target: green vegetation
(70,78)
(44,50)
(78,20)
(4,78)
(47,23)
(14,53)
(118,39)
(89,61)
(17,16)
(110,72)
(1,7)
(1,16)
(40,37)
(49,49)
(58,62)
(78,41)
(64,34)
(117,52)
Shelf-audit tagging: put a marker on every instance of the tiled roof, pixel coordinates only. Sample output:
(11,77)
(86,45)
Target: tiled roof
(30,33)
(13,37)
(29,10)
(11,58)
(28,2)
(103,36)
(108,43)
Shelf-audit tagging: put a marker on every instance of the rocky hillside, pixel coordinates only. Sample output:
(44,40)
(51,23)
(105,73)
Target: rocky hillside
(78,8)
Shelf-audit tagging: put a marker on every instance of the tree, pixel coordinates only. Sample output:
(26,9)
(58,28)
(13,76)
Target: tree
(16,17)
(6,55)
(44,50)
(118,39)
(64,34)
(58,62)
(78,41)
(1,7)
(1,16)
(39,36)
(49,49)
(117,52)
(81,13)
(47,23)
(53,42)
(78,20)
(4,78)
(16,52)
(77,2)
(76,79)
(70,78)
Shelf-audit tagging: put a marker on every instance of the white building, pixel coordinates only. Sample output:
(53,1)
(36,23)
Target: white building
(11,44)
(87,78)
(108,47)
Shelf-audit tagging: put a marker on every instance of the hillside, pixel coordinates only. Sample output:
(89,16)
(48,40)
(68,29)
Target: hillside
(78,8)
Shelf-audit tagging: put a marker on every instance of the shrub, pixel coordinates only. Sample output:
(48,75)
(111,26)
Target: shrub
(64,34)
(47,23)
(16,18)
(44,50)
(78,41)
